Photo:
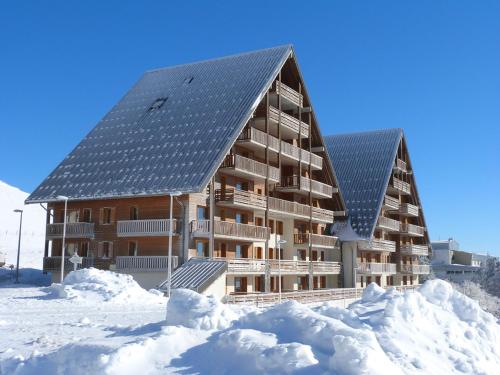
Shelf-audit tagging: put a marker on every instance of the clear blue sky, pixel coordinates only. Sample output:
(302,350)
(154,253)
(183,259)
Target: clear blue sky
(430,67)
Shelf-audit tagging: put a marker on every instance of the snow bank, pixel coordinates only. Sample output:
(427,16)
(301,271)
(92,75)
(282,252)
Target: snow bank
(92,285)
(33,231)
(434,330)
(193,310)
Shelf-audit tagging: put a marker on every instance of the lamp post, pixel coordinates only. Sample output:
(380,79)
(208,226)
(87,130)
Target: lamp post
(170,234)
(19,242)
(280,242)
(65,199)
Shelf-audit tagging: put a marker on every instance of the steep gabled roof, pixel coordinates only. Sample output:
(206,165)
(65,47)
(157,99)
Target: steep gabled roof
(363,164)
(169,133)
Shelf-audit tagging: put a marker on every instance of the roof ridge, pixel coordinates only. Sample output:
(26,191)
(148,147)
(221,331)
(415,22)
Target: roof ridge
(385,130)
(213,59)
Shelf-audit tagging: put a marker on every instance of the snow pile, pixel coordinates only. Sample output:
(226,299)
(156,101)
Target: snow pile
(33,230)
(93,285)
(434,330)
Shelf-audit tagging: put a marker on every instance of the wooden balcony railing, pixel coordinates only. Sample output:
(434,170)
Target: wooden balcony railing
(408,209)
(145,263)
(316,187)
(241,198)
(250,167)
(388,224)
(400,165)
(377,245)
(317,240)
(372,268)
(73,230)
(259,137)
(289,266)
(412,230)
(288,93)
(415,269)
(289,122)
(225,229)
(411,249)
(320,267)
(391,203)
(147,227)
(54,263)
(401,186)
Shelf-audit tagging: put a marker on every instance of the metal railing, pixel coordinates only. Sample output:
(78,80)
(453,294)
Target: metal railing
(370,268)
(232,230)
(412,229)
(250,166)
(147,227)
(416,269)
(377,245)
(289,93)
(388,224)
(145,263)
(73,230)
(317,240)
(411,249)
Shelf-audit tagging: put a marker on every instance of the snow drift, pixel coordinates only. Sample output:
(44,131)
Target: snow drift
(92,285)
(434,330)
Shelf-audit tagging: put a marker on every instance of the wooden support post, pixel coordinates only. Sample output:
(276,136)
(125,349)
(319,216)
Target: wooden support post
(267,283)
(212,217)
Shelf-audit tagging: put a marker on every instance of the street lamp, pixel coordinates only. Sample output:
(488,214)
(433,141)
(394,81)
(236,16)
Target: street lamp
(65,199)
(170,234)
(19,242)
(280,242)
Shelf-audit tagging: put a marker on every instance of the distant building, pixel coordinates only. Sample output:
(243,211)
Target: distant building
(451,263)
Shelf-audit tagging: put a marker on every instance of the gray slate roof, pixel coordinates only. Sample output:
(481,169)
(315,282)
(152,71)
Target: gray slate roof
(363,163)
(169,133)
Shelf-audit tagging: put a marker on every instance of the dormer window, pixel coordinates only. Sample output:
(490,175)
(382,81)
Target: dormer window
(157,104)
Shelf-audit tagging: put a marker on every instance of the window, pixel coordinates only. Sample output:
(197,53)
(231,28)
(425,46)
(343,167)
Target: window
(157,104)
(258,252)
(72,216)
(86,250)
(71,248)
(238,253)
(240,218)
(201,213)
(271,225)
(301,254)
(223,250)
(259,221)
(105,249)
(279,227)
(241,186)
(106,214)
(315,255)
(202,249)
(240,284)
(132,248)
(87,215)
(259,191)
(134,213)
(222,215)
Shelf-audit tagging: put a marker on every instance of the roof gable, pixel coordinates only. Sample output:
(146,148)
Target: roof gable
(170,132)
(363,164)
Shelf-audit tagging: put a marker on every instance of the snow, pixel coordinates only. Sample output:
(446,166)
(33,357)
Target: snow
(102,323)
(33,230)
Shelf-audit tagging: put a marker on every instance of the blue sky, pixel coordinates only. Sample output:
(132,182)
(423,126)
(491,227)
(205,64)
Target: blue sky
(430,67)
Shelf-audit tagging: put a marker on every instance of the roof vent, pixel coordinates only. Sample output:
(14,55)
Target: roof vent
(187,81)
(157,104)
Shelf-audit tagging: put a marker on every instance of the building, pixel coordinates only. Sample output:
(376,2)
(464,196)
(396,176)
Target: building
(237,138)
(385,239)
(451,263)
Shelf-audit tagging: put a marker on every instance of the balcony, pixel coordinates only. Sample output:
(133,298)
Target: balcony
(400,166)
(376,268)
(387,224)
(411,249)
(318,189)
(52,264)
(317,240)
(412,230)
(73,230)
(415,269)
(245,266)
(148,227)
(298,210)
(241,166)
(144,263)
(288,266)
(240,199)
(399,187)
(293,153)
(290,125)
(391,203)
(291,99)
(407,209)
(228,230)
(320,267)
(256,139)
(377,245)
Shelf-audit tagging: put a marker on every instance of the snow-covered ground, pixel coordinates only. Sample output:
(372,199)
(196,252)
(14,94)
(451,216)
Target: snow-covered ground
(33,232)
(103,323)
